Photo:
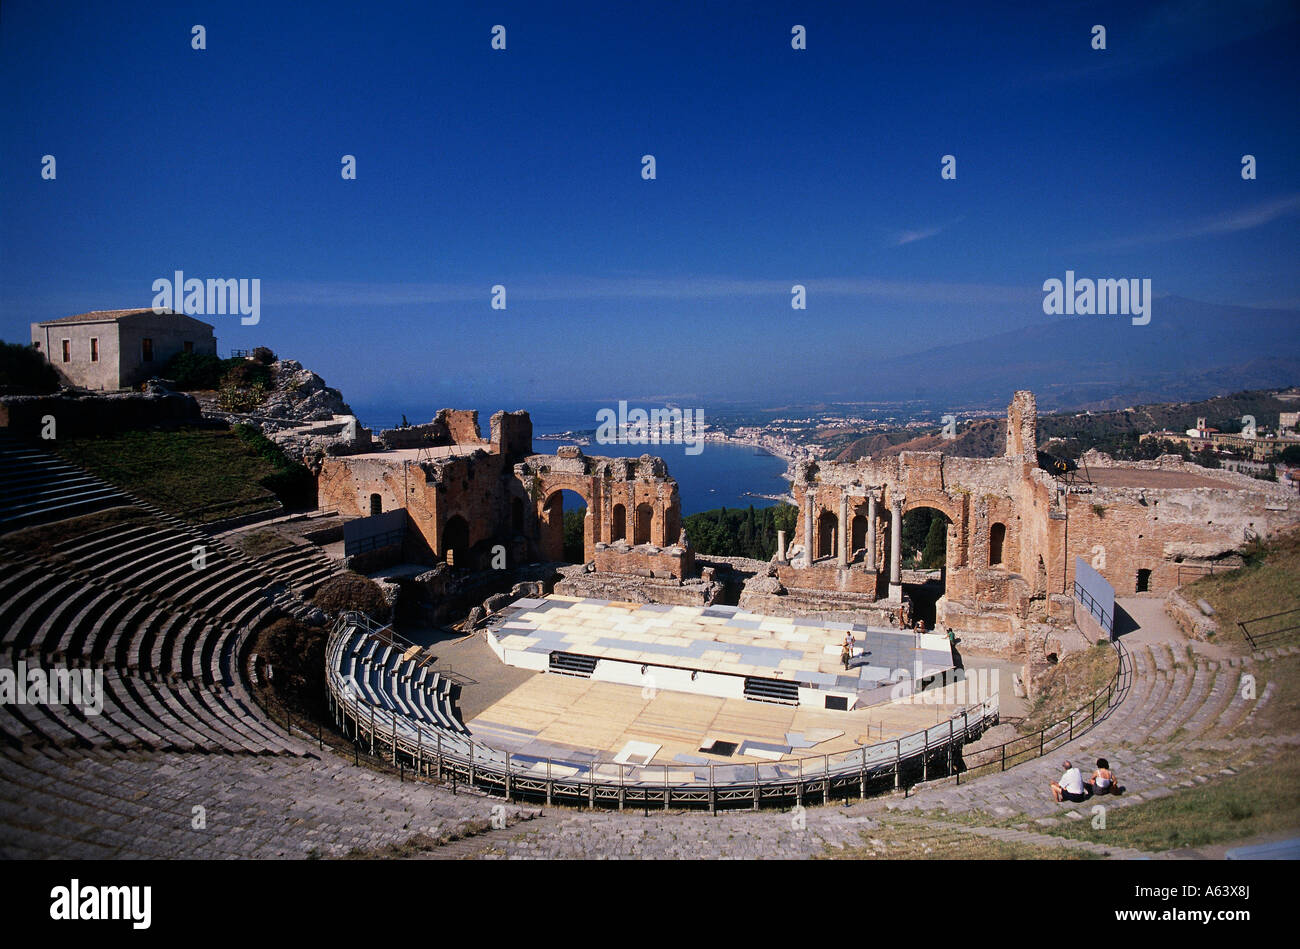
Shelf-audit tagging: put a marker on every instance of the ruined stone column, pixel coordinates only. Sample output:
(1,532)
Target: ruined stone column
(809,525)
(844,531)
(780,545)
(896,550)
(871,532)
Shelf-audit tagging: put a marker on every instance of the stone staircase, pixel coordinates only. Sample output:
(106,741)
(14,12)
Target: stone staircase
(1185,719)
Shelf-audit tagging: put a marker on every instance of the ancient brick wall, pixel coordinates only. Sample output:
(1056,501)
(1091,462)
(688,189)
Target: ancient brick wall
(645,560)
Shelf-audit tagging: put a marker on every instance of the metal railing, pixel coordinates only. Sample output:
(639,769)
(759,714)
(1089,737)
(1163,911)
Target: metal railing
(1264,637)
(460,760)
(1060,732)
(1195,571)
(1095,609)
(365,545)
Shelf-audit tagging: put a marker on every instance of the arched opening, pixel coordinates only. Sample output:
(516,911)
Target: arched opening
(516,516)
(924,543)
(645,515)
(997,539)
(859,536)
(376,505)
(618,524)
(1144,581)
(827,534)
(455,541)
(563,527)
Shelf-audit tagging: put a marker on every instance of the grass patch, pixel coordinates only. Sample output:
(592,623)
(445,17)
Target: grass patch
(924,843)
(1269,583)
(1260,800)
(201,474)
(1070,684)
(262,543)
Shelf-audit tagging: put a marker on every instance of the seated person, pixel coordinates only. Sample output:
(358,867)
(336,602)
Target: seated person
(1103,779)
(1070,787)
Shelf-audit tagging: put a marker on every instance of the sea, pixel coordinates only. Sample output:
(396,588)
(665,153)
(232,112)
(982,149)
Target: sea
(719,476)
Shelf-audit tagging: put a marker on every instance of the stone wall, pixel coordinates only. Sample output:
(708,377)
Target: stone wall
(1015,530)
(481,495)
(645,560)
(89,415)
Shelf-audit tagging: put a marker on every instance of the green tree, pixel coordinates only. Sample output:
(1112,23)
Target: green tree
(574,546)
(936,544)
(194,371)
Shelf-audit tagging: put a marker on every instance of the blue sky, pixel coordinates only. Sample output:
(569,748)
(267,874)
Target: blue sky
(522,167)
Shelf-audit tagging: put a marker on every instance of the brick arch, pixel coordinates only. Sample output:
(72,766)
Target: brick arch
(550,516)
(953,507)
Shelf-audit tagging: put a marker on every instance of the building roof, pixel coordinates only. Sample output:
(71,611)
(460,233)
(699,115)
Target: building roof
(103,316)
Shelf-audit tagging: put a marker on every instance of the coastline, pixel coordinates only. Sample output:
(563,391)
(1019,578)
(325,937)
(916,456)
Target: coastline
(787,451)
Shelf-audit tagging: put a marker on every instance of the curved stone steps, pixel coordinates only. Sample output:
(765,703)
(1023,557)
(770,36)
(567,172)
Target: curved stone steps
(1198,691)
(74,636)
(1179,686)
(1264,698)
(46,598)
(1214,703)
(1238,707)
(1160,682)
(28,600)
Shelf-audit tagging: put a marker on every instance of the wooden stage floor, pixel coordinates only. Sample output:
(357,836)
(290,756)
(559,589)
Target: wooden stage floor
(561,716)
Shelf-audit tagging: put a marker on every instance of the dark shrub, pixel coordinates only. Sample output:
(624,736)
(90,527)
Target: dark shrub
(293,485)
(194,371)
(263,356)
(24,371)
(352,591)
(296,654)
(245,374)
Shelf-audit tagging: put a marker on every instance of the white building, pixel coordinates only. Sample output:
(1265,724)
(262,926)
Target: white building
(116,349)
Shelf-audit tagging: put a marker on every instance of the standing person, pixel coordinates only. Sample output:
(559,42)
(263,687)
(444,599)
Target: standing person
(1070,787)
(845,655)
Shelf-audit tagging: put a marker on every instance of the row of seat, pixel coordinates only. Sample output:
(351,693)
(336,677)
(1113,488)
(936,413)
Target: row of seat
(47,611)
(175,565)
(304,567)
(159,610)
(126,712)
(392,684)
(37,488)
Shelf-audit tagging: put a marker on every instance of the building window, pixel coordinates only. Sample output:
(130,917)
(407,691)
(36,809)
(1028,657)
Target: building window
(1144,581)
(188,346)
(146,349)
(376,505)
(94,349)
(67,350)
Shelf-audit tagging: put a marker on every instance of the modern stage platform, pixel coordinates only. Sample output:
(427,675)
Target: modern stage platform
(719,651)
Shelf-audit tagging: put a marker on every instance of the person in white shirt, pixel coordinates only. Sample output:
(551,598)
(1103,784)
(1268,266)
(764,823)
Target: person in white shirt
(1070,787)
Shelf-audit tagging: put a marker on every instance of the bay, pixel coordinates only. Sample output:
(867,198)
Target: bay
(721,475)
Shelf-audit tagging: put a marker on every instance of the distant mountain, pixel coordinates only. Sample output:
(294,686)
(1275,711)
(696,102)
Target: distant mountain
(1189,350)
(1069,433)
(983,438)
